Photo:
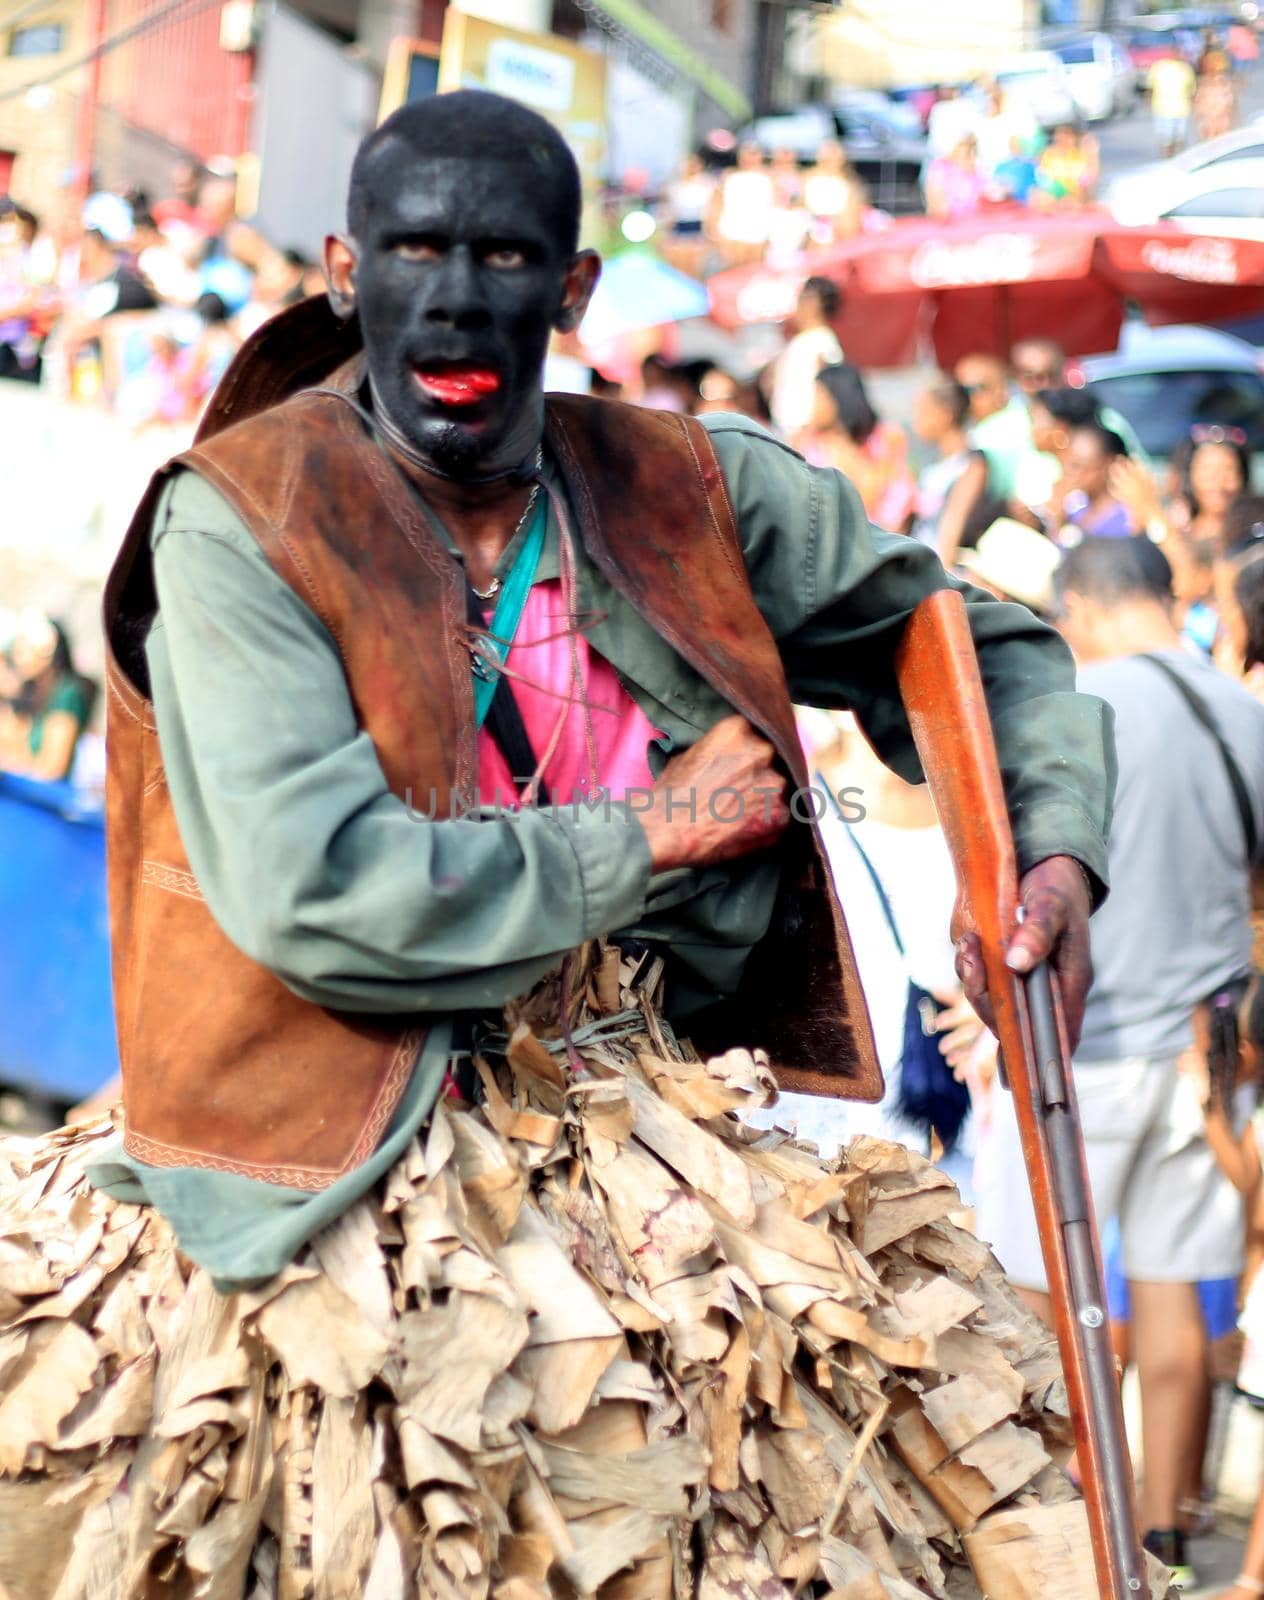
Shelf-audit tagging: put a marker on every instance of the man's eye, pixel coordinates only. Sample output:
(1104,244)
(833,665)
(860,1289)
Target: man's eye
(505,259)
(416,250)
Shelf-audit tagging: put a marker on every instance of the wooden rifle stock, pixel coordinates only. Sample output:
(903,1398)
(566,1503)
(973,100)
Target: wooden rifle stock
(943,695)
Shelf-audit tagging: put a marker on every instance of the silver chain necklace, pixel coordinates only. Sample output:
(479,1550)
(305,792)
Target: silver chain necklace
(495,586)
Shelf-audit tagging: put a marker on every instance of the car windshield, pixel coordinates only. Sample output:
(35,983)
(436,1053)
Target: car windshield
(1152,41)
(1163,406)
(1076,55)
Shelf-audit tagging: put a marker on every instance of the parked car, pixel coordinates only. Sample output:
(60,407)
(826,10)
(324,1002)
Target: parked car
(887,160)
(1100,76)
(1148,188)
(1167,380)
(1039,81)
(1226,199)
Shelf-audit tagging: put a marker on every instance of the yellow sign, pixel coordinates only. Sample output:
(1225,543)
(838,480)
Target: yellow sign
(551,75)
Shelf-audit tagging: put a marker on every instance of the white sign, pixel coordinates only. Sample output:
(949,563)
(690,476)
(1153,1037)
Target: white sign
(536,77)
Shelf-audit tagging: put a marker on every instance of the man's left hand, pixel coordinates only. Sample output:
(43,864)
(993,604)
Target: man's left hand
(1056,906)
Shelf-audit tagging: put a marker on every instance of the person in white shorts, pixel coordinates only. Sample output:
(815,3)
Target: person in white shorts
(1174,931)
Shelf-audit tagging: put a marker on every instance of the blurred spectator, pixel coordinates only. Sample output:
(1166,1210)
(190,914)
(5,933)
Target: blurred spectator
(109,215)
(955,186)
(1235,646)
(745,207)
(890,863)
(813,345)
(20,295)
(721,391)
(165,266)
(1015,177)
(949,488)
(106,288)
(1172,84)
(1239,646)
(1002,130)
(833,196)
(603,388)
(1068,169)
(687,203)
(107,285)
(283,281)
(1088,504)
(44,703)
(1038,364)
(1014,562)
(1055,413)
(952,118)
(665,387)
(787,181)
(1214,468)
(1000,423)
(1243,45)
(181,206)
(1174,931)
(215,346)
(1216,97)
(846,433)
(233,250)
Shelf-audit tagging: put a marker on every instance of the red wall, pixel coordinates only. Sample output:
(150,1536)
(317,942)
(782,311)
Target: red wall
(176,81)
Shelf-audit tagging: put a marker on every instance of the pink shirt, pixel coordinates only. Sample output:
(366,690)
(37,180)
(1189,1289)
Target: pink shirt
(607,748)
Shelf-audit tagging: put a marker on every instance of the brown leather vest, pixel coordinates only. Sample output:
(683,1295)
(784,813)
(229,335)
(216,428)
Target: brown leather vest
(223,1066)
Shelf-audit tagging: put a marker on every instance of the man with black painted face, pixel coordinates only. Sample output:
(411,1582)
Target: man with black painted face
(461,258)
(316,889)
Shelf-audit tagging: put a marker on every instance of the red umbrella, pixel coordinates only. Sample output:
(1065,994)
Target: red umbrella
(1182,277)
(983,284)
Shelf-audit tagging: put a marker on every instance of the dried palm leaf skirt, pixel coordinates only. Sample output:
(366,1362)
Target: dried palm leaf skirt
(593,1337)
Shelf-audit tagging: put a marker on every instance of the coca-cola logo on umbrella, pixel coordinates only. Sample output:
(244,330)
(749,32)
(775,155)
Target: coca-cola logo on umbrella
(1201,261)
(995,258)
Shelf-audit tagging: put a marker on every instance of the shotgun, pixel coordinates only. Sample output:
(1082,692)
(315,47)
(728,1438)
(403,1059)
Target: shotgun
(943,695)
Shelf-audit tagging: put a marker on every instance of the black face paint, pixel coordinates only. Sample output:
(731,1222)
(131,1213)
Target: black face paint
(460,275)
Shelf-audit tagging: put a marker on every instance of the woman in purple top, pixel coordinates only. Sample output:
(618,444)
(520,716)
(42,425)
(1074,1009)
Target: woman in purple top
(954,185)
(1088,504)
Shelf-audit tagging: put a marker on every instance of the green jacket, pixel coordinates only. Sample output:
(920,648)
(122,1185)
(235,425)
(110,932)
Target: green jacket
(255,721)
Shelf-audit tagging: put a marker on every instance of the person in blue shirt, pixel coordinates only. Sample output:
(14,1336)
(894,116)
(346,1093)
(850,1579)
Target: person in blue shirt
(1015,177)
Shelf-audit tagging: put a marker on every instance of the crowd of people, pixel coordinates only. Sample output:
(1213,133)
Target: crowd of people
(138,302)
(985,149)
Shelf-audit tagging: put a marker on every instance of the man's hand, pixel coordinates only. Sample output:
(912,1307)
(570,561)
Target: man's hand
(720,799)
(1056,905)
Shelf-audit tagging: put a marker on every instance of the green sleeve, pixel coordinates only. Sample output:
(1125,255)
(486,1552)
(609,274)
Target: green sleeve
(68,695)
(307,861)
(837,593)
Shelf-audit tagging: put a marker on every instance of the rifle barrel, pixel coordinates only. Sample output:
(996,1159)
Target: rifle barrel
(947,710)
(1085,1277)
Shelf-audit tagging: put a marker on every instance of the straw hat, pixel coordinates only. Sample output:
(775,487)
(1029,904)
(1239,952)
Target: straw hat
(1016,561)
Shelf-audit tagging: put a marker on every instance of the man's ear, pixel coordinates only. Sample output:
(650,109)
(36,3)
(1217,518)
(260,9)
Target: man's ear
(581,280)
(340,265)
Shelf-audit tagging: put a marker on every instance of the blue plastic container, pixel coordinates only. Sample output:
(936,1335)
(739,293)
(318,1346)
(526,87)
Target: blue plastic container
(56,1007)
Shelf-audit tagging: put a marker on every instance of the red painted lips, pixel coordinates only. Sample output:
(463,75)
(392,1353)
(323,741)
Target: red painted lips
(456,385)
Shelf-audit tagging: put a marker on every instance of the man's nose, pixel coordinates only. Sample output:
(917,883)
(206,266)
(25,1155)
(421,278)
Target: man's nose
(457,297)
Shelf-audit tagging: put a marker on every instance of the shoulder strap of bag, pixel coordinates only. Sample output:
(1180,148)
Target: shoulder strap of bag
(502,717)
(874,879)
(1237,782)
